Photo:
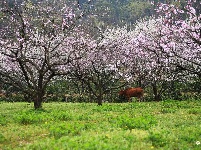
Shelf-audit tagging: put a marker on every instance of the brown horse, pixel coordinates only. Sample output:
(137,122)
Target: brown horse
(132,92)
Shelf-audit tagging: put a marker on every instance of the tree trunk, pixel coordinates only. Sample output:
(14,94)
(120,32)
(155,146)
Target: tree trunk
(37,103)
(155,91)
(99,98)
(100,95)
(38,99)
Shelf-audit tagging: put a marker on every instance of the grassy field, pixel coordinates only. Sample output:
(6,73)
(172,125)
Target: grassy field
(128,126)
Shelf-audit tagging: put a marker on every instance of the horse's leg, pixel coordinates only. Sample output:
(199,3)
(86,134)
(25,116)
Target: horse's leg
(139,99)
(129,99)
(142,98)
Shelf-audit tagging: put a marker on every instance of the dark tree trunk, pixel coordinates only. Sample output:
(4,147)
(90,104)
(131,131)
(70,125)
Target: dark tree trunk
(37,103)
(99,99)
(39,93)
(38,99)
(139,82)
(100,95)
(157,96)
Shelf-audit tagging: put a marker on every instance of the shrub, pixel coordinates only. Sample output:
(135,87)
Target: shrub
(2,138)
(141,122)
(64,116)
(195,111)
(31,117)
(157,139)
(2,120)
(67,129)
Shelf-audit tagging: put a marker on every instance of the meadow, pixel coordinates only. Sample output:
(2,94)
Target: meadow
(173,125)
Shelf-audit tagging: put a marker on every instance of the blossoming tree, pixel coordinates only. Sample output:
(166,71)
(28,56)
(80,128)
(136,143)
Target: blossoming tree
(174,38)
(36,44)
(181,32)
(97,71)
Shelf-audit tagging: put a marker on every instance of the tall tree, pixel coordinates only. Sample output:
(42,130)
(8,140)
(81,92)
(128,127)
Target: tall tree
(36,44)
(96,70)
(174,40)
(182,36)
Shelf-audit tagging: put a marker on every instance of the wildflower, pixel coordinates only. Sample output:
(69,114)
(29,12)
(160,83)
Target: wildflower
(107,136)
(197,143)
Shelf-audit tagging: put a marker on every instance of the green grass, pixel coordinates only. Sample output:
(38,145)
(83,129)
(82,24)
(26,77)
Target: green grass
(128,126)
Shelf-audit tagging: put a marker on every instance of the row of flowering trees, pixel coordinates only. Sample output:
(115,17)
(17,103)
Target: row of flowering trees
(43,40)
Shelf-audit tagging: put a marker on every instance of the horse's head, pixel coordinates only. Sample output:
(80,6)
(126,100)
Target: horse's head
(121,92)
(122,96)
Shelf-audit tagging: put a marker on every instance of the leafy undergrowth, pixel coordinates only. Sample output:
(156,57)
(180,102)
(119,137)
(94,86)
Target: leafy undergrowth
(147,125)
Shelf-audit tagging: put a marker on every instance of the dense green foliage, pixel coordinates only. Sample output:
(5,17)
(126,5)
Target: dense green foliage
(121,12)
(150,125)
(72,91)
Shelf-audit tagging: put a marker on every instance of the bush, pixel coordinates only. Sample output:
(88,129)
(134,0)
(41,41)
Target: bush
(13,98)
(157,139)
(2,120)
(2,138)
(31,117)
(141,122)
(65,129)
